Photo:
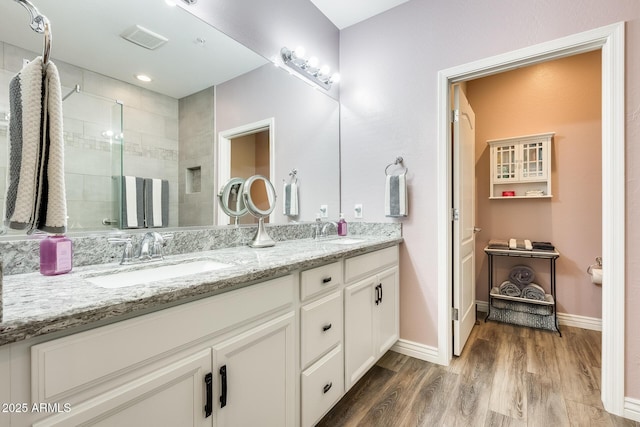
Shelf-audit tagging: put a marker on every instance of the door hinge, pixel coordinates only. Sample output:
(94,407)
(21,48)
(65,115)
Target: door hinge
(455,116)
(455,214)
(454,313)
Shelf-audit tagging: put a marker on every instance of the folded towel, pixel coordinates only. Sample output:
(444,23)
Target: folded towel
(509,289)
(156,202)
(290,199)
(533,291)
(395,196)
(521,275)
(498,244)
(544,246)
(132,202)
(36,198)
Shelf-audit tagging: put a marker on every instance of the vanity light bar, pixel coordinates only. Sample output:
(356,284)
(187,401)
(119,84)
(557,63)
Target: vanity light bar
(309,67)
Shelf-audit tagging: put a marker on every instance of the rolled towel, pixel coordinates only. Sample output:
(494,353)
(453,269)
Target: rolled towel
(533,291)
(522,275)
(509,289)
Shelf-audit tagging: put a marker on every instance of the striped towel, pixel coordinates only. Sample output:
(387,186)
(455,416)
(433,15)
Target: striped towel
(156,202)
(290,199)
(395,196)
(36,197)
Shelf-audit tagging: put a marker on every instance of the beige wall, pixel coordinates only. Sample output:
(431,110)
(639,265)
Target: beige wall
(561,96)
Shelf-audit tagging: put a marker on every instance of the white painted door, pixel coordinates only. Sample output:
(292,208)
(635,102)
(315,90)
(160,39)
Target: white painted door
(359,332)
(388,317)
(256,376)
(464,286)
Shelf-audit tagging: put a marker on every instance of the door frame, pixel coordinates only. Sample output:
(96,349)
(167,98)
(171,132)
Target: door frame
(224,158)
(611,41)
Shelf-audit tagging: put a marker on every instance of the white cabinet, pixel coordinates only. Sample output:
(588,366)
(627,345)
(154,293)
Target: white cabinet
(371,312)
(256,376)
(521,166)
(172,395)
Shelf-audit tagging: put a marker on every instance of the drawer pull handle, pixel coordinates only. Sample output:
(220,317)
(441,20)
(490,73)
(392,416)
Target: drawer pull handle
(325,328)
(327,387)
(223,375)
(326,280)
(208,407)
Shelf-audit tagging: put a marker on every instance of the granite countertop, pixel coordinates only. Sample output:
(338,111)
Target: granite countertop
(35,305)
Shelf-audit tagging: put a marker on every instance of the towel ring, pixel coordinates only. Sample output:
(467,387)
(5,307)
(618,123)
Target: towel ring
(294,176)
(398,161)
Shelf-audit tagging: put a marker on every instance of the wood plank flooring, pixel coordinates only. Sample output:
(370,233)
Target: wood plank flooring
(507,376)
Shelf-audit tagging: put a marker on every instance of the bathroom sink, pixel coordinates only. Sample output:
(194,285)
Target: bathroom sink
(344,241)
(153,274)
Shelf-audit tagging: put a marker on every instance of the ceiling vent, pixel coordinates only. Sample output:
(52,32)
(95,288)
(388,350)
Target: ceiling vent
(143,37)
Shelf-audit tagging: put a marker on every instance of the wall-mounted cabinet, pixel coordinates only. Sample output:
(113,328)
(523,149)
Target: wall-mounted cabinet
(521,167)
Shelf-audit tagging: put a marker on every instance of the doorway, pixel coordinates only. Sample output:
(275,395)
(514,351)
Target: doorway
(243,152)
(610,40)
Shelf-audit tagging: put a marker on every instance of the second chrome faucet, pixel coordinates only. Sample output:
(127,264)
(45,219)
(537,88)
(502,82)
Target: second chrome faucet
(150,248)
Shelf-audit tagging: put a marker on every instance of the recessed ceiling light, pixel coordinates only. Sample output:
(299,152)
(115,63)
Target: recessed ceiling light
(143,78)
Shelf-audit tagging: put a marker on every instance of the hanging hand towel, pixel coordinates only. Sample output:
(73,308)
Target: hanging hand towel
(36,197)
(290,199)
(133,205)
(395,196)
(156,202)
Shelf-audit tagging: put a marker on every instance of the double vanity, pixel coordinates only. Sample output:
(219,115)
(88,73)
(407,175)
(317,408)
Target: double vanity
(226,337)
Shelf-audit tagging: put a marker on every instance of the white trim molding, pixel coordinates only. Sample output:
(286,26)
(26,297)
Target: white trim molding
(417,350)
(632,409)
(610,39)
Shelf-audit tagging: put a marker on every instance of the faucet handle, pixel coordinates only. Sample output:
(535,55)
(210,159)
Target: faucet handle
(166,237)
(127,253)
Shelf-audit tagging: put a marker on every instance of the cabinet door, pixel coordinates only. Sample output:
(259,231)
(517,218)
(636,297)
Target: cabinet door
(171,396)
(534,165)
(359,332)
(387,316)
(255,376)
(505,160)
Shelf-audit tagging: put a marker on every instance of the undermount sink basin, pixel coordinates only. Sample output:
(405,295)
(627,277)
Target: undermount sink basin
(153,274)
(344,241)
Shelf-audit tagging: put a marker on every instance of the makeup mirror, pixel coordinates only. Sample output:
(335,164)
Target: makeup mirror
(259,197)
(231,200)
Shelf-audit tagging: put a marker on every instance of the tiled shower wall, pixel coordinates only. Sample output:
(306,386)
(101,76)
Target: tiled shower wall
(150,135)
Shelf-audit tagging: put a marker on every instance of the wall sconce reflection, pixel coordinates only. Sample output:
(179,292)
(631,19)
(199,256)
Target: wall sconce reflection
(309,67)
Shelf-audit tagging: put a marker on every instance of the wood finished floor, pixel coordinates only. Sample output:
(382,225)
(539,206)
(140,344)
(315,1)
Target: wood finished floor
(506,376)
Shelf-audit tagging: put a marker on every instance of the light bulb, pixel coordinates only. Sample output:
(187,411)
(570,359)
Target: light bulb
(299,52)
(313,62)
(324,70)
(335,78)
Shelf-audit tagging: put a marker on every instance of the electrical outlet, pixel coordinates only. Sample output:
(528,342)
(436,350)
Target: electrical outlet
(357,210)
(324,211)
(25,61)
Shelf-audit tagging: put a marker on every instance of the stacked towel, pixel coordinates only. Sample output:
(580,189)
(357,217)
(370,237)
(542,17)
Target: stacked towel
(520,244)
(521,275)
(395,196)
(498,244)
(290,199)
(36,198)
(533,291)
(509,289)
(543,246)
(132,202)
(156,202)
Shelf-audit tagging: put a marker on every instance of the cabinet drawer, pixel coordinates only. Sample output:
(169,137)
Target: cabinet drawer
(360,266)
(320,279)
(320,326)
(322,386)
(73,364)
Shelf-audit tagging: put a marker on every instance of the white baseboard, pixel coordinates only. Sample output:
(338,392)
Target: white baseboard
(632,409)
(565,319)
(417,350)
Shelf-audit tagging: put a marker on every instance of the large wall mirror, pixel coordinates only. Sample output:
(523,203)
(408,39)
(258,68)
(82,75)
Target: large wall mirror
(202,84)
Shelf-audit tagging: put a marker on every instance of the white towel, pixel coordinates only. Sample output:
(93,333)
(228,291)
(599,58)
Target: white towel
(132,206)
(290,199)
(156,202)
(36,198)
(395,196)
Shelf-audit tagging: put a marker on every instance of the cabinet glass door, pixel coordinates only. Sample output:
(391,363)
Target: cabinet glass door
(505,163)
(532,160)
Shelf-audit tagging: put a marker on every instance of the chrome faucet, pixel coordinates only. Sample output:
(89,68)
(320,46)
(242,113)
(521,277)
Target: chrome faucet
(150,248)
(323,233)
